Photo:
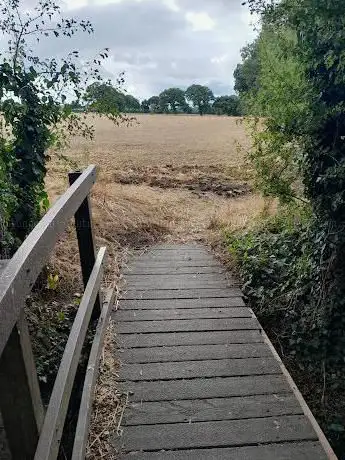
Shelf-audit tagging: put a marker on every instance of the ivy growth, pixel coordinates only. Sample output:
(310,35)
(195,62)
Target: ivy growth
(33,94)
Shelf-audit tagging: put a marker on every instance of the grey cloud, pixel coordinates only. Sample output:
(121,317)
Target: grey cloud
(157,47)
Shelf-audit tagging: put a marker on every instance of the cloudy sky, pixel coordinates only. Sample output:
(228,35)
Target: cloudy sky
(164,43)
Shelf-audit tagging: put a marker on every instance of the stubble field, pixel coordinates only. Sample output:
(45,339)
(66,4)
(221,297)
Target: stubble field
(165,177)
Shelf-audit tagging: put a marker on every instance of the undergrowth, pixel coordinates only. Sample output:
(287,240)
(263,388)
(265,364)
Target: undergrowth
(276,261)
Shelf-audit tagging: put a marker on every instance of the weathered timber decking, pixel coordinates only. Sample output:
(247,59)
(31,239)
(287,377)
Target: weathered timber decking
(203,381)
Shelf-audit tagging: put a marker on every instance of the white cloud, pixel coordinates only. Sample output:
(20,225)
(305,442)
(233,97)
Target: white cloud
(161,43)
(172,4)
(200,21)
(219,59)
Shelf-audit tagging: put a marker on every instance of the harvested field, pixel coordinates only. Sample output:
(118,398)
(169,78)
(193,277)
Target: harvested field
(167,139)
(165,178)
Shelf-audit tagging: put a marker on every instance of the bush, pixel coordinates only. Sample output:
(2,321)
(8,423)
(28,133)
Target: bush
(286,290)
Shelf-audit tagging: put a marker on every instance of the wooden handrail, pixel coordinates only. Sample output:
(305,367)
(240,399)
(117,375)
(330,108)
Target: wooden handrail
(49,441)
(30,433)
(82,430)
(23,269)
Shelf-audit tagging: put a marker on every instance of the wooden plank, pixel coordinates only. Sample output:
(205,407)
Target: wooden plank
(86,244)
(176,278)
(23,269)
(168,390)
(188,338)
(173,264)
(201,410)
(175,256)
(167,260)
(20,398)
(85,408)
(48,444)
(193,353)
(184,325)
(166,270)
(219,302)
(215,434)
(193,313)
(305,450)
(175,246)
(195,369)
(181,293)
(177,282)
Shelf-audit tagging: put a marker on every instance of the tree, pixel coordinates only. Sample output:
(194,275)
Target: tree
(132,105)
(227,105)
(33,93)
(145,106)
(201,97)
(246,74)
(172,100)
(76,106)
(104,98)
(154,104)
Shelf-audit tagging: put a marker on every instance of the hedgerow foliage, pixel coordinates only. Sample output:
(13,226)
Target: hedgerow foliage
(35,117)
(293,265)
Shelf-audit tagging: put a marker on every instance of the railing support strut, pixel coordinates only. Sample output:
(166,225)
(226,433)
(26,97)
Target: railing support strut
(86,243)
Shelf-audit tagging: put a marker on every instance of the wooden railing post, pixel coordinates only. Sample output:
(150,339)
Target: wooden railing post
(20,399)
(86,244)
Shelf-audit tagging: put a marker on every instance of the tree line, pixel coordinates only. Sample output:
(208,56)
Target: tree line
(196,99)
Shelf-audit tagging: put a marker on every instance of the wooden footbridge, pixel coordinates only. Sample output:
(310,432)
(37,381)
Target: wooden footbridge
(202,379)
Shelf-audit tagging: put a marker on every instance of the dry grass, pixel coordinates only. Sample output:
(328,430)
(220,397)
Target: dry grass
(109,403)
(168,174)
(171,178)
(166,139)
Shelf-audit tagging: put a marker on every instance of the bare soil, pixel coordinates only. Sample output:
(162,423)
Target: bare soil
(202,180)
